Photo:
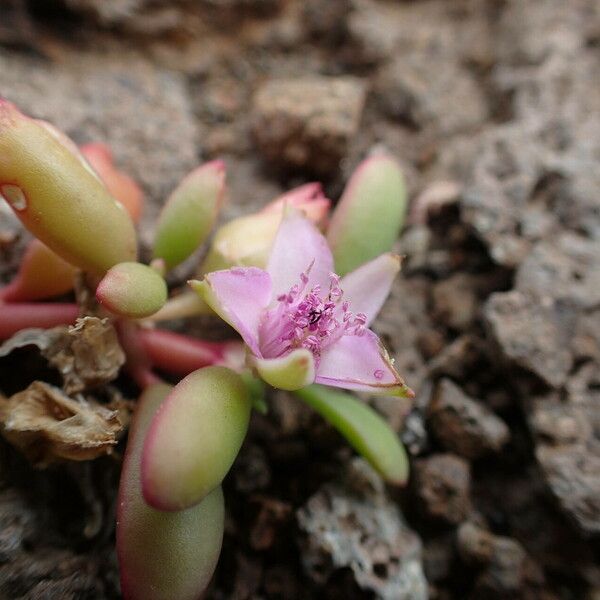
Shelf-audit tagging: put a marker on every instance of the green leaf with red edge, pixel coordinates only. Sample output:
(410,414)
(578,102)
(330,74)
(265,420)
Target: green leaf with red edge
(189,214)
(58,197)
(42,274)
(162,555)
(194,438)
(132,290)
(368,218)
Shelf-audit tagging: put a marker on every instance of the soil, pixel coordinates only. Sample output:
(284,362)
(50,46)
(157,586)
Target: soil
(491,106)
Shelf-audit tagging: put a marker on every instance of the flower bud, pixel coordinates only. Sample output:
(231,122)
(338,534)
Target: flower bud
(132,290)
(194,438)
(119,184)
(58,199)
(190,213)
(42,274)
(367,220)
(163,555)
(246,241)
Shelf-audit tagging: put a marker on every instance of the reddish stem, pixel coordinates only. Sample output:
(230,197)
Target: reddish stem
(138,363)
(11,291)
(14,317)
(179,354)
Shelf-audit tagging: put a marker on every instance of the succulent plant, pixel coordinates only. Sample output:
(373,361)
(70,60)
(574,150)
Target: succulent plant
(270,275)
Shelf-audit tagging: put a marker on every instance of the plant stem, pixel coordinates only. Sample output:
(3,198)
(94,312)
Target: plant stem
(179,354)
(187,304)
(138,364)
(14,317)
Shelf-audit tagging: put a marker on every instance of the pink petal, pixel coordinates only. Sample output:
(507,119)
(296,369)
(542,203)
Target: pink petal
(368,286)
(297,245)
(239,296)
(361,363)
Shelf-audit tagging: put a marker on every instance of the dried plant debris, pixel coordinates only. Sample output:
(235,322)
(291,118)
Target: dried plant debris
(87,355)
(354,524)
(46,425)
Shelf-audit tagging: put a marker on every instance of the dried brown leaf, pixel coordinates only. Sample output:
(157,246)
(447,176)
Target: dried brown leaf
(46,425)
(87,355)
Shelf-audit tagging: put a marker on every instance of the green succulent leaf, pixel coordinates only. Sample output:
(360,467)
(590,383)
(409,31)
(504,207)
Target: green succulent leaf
(366,431)
(189,214)
(57,196)
(367,220)
(163,555)
(194,438)
(132,290)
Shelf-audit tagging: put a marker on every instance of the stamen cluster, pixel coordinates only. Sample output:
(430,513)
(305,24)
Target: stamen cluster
(309,320)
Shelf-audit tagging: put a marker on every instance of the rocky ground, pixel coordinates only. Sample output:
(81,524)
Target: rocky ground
(492,108)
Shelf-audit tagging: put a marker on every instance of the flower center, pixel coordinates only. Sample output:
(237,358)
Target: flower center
(309,319)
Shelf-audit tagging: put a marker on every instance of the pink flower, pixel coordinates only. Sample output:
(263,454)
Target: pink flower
(301,322)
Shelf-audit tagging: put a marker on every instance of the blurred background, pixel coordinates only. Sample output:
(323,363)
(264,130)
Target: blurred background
(492,109)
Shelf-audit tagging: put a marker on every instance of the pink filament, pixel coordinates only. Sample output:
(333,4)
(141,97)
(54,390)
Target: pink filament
(309,320)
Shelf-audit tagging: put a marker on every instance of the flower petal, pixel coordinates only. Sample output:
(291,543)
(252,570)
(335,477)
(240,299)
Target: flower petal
(239,296)
(297,245)
(368,286)
(361,363)
(290,372)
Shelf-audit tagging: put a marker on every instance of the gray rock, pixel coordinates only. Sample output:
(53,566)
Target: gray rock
(455,301)
(463,425)
(307,123)
(442,484)
(380,30)
(586,343)
(108,13)
(353,524)
(533,334)
(568,447)
(565,268)
(506,568)
(139,110)
(530,178)
(438,94)
(475,544)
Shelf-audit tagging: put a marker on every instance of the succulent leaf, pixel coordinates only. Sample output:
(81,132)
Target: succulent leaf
(119,184)
(369,215)
(132,290)
(58,198)
(194,438)
(42,274)
(163,555)
(188,217)
(368,433)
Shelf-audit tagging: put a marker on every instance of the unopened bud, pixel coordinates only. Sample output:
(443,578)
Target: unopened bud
(246,241)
